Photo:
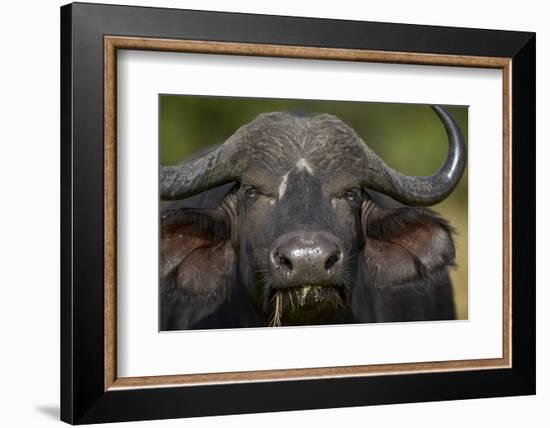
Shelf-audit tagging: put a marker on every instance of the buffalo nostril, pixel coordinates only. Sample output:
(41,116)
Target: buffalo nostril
(332,260)
(283,262)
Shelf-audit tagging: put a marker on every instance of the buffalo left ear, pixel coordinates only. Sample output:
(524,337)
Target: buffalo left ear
(405,244)
(196,266)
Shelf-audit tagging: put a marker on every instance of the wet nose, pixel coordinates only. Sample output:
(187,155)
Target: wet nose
(307,259)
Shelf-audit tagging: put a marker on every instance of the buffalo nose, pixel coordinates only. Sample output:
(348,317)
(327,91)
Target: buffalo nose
(307,258)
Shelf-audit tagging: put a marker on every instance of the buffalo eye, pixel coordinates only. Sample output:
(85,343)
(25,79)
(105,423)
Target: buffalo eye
(351,195)
(251,193)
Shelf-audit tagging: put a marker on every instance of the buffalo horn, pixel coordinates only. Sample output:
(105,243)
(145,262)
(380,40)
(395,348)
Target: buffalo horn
(427,190)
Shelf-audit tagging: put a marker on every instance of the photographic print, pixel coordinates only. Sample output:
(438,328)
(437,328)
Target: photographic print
(308,212)
(332,227)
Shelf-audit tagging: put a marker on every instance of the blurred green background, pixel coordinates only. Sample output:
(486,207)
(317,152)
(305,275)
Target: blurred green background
(409,137)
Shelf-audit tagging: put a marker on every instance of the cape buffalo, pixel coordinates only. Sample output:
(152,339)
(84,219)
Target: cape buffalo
(300,236)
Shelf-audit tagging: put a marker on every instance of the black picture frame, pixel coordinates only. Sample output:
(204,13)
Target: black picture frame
(83,396)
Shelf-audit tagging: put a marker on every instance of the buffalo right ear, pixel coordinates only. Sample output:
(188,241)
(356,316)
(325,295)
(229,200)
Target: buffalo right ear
(197,263)
(406,244)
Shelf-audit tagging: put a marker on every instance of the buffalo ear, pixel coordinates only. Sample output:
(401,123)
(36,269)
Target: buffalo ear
(196,265)
(405,244)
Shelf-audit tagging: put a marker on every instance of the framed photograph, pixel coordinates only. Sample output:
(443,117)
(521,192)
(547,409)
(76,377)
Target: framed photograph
(316,212)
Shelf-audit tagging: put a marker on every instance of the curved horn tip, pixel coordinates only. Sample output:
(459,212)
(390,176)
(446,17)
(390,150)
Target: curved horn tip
(427,190)
(443,113)
(439,110)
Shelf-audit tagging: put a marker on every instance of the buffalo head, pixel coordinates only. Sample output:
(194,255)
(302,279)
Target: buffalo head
(299,238)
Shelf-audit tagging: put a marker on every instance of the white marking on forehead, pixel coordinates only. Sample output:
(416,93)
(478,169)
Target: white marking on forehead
(302,164)
(282,186)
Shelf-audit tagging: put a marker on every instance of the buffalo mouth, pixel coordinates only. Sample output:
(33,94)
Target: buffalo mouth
(306,304)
